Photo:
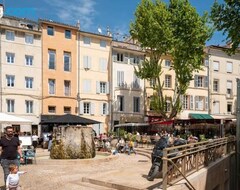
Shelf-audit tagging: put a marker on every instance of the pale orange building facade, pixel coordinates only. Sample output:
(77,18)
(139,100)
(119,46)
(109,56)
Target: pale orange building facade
(59,68)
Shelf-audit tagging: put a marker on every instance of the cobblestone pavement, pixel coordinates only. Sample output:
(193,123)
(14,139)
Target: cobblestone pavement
(126,170)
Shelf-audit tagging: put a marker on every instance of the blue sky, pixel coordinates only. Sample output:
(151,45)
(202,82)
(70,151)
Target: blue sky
(117,14)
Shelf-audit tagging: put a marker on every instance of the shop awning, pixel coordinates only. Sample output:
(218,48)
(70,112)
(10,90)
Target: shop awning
(200,116)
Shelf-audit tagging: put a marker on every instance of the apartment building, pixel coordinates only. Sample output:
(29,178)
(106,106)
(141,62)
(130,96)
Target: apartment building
(223,72)
(95,78)
(195,100)
(21,78)
(127,89)
(59,68)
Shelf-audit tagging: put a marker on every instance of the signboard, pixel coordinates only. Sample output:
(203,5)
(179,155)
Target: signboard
(26,140)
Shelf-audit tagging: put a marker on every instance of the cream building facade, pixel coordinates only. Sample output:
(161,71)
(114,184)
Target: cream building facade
(223,73)
(94,78)
(127,89)
(21,78)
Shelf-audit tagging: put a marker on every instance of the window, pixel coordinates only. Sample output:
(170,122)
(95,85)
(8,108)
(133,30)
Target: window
(152,82)
(86,40)
(135,60)
(187,102)
(29,106)
(136,104)
(50,31)
(67,61)
(10,57)
(229,89)
(67,109)
(229,107)
(10,80)
(151,103)
(199,102)
(10,105)
(120,78)
(167,63)
(103,43)
(168,81)
(103,87)
(103,64)
(51,59)
(120,57)
(86,107)
(28,60)
(201,81)
(104,109)
(67,88)
(216,66)
(87,62)
(168,106)
(229,67)
(28,38)
(29,82)
(51,109)
(136,81)
(68,34)
(51,86)
(215,85)
(120,100)
(10,35)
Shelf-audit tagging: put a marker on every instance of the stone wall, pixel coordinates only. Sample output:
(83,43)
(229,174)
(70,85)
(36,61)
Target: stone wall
(73,142)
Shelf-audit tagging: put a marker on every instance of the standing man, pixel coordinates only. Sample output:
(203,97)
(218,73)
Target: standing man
(10,149)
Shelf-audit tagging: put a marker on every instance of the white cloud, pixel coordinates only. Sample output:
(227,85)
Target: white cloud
(70,12)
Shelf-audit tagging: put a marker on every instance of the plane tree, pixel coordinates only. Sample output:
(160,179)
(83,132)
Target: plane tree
(174,29)
(226,18)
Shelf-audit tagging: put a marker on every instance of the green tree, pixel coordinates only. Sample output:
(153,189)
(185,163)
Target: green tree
(174,29)
(226,18)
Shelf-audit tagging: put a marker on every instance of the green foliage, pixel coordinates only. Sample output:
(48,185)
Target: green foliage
(175,29)
(226,18)
(57,150)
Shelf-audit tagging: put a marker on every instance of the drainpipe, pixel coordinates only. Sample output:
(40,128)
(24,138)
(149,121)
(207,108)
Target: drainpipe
(238,135)
(78,70)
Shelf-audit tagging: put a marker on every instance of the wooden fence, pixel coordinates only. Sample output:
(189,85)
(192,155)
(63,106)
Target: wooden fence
(181,161)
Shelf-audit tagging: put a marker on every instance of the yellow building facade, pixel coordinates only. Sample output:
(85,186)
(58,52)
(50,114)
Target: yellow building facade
(59,68)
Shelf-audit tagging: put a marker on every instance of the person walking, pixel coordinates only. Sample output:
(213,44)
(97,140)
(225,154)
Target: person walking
(34,141)
(10,150)
(12,182)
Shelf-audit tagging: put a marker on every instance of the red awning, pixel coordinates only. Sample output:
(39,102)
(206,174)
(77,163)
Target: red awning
(163,122)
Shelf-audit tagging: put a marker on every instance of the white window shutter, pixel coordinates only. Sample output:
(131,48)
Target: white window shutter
(98,87)
(107,88)
(114,56)
(107,109)
(191,102)
(85,62)
(101,108)
(92,109)
(89,62)
(81,108)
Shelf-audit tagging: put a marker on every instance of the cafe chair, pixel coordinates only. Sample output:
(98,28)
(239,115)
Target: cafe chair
(30,155)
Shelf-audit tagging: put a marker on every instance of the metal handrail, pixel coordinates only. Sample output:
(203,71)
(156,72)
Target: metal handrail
(179,172)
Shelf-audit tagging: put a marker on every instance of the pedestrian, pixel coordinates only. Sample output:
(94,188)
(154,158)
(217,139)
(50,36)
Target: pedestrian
(12,182)
(10,150)
(34,141)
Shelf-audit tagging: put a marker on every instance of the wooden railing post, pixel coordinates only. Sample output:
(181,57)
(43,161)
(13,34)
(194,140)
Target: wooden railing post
(165,170)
